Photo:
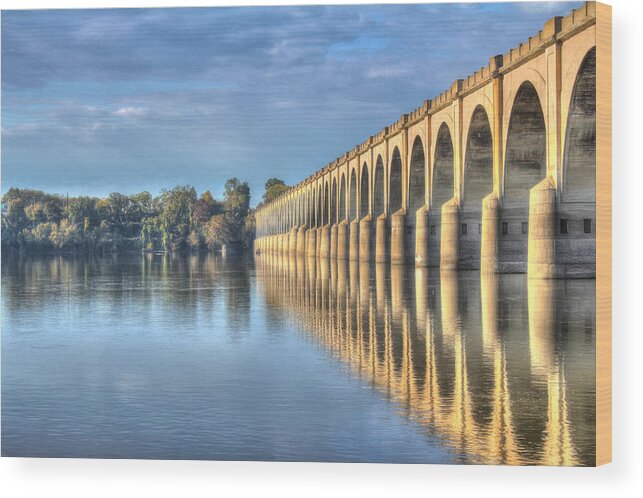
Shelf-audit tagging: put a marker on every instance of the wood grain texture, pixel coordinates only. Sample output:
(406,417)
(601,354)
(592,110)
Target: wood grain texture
(603,234)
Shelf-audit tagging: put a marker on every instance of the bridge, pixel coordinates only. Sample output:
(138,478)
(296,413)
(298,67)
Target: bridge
(497,173)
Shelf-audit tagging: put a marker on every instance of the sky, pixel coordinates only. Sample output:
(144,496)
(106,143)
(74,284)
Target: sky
(96,101)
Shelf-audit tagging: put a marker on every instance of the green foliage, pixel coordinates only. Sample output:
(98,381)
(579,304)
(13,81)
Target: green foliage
(82,210)
(236,198)
(175,220)
(274,188)
(219,230)
(205,208)
(175,216)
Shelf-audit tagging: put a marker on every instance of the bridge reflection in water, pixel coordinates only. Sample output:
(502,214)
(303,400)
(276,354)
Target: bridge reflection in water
(499,367)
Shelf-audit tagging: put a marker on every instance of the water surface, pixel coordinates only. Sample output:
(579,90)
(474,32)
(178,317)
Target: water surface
(142,356)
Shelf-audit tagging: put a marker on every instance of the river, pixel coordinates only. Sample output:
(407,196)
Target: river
(200,357)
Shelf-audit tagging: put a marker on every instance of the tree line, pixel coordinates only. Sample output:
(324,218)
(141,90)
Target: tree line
(176,220)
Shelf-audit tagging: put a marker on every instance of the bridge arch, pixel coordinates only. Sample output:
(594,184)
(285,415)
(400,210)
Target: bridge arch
(443,165)
(352,200)
(441,189)
(326,202)
(525,153)
(576,245)
(579,163)
(313,206)
(364,192)
(525,167)
(333,202)
(378,188)
(417,177)
(342,197)
(478,162)
(320,206)
(395,182)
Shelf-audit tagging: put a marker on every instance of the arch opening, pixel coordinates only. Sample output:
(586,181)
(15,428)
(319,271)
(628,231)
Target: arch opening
(319,207)
(525,163)
(333,202)
(576,249)
(352,202)
(478,183)
(326,201)
(580,137)
(442,184)
(441,189)
(395,182)
(364,192)
(478,162)
(525,167)
(417,177)
(378,188)
(342,198)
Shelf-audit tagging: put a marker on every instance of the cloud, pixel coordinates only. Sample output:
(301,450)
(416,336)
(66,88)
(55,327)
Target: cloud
(389,71)
(130,111)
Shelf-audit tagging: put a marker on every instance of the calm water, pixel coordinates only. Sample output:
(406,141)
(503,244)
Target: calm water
(285,359)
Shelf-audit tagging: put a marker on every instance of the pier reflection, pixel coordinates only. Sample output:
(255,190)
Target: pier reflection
(499,368)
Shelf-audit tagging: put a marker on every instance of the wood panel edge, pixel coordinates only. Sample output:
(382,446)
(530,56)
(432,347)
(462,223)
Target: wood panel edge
(603,233)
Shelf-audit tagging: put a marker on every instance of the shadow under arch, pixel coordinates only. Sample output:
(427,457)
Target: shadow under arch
(417,193)
(364,192)
(395,182)
(477,183)
(576,249)
(525,167)
(342,198)
(441,189)
(352,201)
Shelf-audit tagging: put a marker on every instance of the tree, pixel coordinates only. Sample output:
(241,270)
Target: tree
(236,198)
(175,216)
(64,235)
(35,213)
(53,210)
(205,208)
(144,203)
(82,211)
(176,219)
(218,231)
(274,188)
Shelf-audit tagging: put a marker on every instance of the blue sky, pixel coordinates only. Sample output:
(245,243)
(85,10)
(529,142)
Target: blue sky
(95,101)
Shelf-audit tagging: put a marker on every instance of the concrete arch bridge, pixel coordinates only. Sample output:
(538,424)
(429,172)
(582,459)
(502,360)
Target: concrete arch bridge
(497,173)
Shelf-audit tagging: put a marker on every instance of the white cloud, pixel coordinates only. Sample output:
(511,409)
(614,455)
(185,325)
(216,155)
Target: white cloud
(130,111)
(388,71)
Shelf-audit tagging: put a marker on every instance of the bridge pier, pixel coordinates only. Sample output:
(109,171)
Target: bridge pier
(353,244)
(324,242)
(541,251)
(489,237)
(398,236)
(333,242)
(365,238)
(449,236)
(381,239)
(342,240)
(301,241)
(421,237)
(318,241)
(292,242)
(311,243)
